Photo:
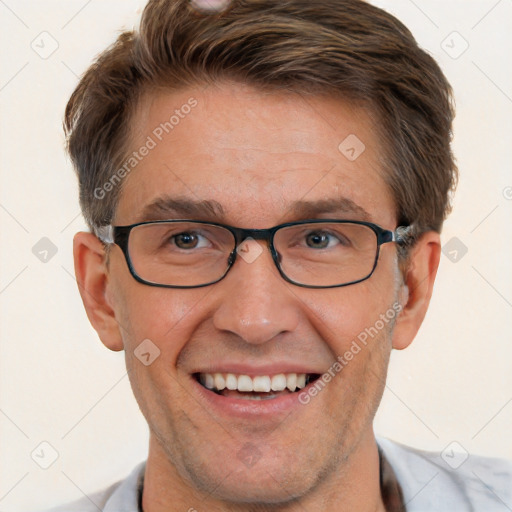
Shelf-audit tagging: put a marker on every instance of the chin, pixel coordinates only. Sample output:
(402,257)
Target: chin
(263,488)
(258,481)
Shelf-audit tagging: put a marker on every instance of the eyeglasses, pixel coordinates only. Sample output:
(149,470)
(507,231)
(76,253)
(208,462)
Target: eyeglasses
(320,253)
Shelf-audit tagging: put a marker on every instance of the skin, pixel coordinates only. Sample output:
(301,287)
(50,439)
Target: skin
(255,153)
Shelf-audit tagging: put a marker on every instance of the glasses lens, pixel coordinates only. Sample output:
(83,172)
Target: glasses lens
(326,254)
(180,253)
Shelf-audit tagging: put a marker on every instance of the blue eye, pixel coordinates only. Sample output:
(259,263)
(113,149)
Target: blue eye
(325,240)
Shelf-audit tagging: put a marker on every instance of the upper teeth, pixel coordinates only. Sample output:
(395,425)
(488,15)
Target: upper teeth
(261,383)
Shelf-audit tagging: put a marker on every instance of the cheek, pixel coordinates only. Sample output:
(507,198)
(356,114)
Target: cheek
(167,317)
(350,314)
(161,315)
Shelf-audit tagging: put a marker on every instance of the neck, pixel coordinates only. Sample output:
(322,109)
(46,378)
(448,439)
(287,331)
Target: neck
(353,486)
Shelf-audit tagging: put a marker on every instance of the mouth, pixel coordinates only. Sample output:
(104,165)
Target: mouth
(260,387)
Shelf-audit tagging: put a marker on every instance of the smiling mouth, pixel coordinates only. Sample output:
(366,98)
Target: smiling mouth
(262,387)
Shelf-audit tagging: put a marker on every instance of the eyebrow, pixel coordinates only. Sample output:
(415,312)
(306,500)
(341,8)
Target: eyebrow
(166,208)
(310,209)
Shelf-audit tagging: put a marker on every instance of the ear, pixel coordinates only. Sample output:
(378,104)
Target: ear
(417,288)
(92,277)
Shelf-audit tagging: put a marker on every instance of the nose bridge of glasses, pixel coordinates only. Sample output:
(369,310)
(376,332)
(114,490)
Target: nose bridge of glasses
(256,234)
(245,238)
(241,235)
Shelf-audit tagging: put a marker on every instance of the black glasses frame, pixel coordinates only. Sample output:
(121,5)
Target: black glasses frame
(119,235)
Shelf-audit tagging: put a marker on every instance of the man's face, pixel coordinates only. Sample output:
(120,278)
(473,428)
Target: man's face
(255,154)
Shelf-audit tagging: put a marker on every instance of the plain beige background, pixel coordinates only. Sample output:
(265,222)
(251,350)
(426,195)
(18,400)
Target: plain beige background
(61,387)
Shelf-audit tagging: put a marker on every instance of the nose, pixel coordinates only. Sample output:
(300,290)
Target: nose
(256,303)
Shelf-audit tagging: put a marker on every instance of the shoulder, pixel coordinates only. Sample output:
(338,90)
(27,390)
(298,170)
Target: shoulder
(449,480)
(91,503)
(123,496)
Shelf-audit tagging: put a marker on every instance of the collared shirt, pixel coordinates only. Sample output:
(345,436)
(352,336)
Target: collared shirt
(411,481)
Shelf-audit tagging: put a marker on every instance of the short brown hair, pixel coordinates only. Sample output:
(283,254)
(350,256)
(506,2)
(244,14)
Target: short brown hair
(346,48)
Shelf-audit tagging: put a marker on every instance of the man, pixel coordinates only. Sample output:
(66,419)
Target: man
(265,183)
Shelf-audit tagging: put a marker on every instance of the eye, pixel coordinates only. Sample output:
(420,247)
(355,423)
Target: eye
(189,240)
(324,240)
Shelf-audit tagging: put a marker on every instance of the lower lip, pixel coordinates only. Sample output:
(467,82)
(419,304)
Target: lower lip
(247,408)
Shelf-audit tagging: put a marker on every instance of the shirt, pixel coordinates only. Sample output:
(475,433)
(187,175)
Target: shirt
(412,480)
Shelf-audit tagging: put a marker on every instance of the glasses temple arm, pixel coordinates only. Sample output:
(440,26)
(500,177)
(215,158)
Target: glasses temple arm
(403,233)
(105,234)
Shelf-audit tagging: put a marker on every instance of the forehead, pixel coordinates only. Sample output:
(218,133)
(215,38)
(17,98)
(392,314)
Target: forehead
(258,157)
